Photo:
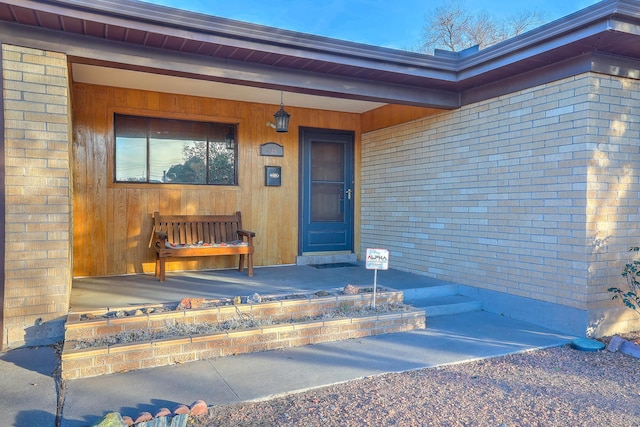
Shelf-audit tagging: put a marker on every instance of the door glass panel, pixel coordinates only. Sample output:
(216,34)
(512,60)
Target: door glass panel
(327,182)
(327,202)
(327,162)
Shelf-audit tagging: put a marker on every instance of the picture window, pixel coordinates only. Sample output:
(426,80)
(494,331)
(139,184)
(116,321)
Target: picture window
(167,151)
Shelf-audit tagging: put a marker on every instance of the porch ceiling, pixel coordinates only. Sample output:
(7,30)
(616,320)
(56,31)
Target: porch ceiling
(172,47)
(101,75)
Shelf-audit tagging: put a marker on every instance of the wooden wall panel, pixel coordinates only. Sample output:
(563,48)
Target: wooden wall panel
(391,115)
(112,222)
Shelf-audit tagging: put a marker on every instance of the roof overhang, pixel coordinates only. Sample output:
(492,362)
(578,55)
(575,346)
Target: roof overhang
(132,37)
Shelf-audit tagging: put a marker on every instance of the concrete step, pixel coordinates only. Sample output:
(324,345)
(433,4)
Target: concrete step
(419,294)
(323,258)
(448,304)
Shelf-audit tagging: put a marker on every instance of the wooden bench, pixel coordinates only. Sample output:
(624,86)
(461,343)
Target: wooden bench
(181,236)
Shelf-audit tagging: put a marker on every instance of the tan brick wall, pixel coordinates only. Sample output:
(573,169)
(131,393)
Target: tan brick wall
(533,194)
(37,194)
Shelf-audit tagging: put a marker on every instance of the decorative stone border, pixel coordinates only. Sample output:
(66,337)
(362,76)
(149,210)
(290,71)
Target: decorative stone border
(624,346)
(82,363)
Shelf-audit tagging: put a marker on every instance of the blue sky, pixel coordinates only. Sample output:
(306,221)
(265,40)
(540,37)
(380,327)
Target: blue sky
(389,23)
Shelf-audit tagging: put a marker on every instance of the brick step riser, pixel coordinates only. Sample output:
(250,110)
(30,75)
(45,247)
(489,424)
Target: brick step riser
(82,363)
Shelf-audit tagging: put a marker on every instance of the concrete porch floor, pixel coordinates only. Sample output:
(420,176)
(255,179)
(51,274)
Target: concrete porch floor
(131,290)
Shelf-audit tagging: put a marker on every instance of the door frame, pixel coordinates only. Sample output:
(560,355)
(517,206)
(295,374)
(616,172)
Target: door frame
(302,202)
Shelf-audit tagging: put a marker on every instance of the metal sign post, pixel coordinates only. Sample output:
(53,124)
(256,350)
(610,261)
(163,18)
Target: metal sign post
(377,259)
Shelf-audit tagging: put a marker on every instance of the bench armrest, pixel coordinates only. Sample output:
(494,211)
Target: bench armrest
(161,238)
(248,234)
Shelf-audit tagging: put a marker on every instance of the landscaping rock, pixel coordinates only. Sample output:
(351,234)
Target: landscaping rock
(351,290)
(181,410)
(614,344)
(163,412)
(189,303)
(254,299)
(112,419)
(630,348)
(143,416)
(185,303)
(199,407)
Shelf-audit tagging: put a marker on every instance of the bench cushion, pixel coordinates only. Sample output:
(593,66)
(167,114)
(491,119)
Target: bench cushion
(202,245)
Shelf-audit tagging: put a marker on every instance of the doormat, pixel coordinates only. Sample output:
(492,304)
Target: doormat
(334,265)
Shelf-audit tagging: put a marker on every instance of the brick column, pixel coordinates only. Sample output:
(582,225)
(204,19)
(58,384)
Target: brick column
(38,203)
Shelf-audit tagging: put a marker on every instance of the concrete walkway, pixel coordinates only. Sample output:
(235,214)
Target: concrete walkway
(28,395)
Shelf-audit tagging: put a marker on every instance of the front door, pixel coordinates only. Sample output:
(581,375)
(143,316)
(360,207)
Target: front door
(326,191)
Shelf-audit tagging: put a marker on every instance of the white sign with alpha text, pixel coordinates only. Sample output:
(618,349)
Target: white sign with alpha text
(377,259)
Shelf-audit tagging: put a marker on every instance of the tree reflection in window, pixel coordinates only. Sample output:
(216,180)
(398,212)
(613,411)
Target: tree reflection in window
(155,150)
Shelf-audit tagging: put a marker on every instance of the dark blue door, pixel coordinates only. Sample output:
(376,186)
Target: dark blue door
(326,193)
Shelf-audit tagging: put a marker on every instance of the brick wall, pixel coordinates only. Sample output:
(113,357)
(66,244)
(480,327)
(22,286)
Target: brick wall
(37,195)
(532,194)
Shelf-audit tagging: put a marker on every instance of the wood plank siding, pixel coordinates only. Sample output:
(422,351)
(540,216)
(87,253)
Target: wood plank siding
(112,222)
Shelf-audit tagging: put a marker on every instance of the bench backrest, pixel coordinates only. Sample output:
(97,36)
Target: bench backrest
(191,229)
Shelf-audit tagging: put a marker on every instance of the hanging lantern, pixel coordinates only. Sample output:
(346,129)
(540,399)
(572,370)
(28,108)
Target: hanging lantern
(282,118)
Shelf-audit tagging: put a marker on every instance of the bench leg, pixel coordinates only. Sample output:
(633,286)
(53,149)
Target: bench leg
(241,264)
(250,262)
(162,269)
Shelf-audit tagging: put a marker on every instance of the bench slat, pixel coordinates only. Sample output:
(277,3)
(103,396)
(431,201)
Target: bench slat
(212,232)
(193,234)
(200,232)
(175,232)
(217,232)
(182,239)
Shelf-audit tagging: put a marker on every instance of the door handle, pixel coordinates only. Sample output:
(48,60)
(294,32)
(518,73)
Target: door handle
(348,192)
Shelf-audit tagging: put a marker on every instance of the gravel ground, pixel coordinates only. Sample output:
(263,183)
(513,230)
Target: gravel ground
(553,387)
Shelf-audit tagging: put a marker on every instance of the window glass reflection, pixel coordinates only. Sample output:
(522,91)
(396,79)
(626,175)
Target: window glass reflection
(174,151)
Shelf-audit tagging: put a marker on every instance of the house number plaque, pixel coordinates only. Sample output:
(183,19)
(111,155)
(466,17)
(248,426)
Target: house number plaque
(272,149)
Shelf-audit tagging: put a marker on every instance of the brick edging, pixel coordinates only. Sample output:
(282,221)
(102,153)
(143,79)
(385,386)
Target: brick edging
(82,363)
(89,362)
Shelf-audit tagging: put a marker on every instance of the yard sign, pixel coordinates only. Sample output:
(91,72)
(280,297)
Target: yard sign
(377,259)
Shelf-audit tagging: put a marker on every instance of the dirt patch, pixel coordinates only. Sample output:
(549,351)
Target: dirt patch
(174,329)
(553,387)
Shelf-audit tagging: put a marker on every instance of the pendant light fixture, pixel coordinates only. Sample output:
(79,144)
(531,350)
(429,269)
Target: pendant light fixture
(282,118)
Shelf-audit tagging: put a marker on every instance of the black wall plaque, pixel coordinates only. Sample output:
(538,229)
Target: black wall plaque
(271,149)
